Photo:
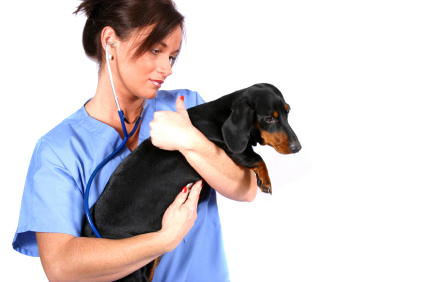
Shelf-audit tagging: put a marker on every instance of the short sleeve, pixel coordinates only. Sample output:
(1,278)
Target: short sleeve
(51,202)
(198,99)
(53,198)
(166,100)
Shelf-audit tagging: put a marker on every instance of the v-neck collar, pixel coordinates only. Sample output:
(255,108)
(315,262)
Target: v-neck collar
(107,132)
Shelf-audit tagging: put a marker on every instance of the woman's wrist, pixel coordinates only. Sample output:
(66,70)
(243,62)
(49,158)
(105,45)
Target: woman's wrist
(167,241)
(195,140)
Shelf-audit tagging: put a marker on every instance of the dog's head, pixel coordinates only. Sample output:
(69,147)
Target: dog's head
(260,115)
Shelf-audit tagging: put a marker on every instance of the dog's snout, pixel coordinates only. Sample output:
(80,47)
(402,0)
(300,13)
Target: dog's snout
(295,147)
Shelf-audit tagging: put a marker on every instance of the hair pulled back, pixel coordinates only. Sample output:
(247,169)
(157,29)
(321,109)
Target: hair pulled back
(127,17)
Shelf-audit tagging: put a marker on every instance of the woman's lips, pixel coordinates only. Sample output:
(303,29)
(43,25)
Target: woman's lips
(157,82)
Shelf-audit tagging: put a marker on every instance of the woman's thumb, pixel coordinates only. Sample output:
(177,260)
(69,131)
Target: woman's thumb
(181,108)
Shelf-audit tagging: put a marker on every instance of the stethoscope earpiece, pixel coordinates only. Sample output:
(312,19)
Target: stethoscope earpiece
(112,44)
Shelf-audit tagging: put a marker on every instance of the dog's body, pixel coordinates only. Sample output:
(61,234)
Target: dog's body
(145,184)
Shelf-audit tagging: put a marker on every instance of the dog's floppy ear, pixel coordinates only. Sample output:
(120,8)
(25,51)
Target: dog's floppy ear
(236,128)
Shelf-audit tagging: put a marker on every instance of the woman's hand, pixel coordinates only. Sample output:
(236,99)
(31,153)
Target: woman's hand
(173,130)
(181,215)
(69,258)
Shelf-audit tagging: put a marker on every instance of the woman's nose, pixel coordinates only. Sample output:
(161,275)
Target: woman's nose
(164,67)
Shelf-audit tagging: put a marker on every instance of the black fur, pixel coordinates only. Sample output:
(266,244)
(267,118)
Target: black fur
(148,180)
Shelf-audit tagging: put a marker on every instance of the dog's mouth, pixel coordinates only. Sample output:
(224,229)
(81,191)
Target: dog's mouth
(281,148)
(279,141)
(287,148)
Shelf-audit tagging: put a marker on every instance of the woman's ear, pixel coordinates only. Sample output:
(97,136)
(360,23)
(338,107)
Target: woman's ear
(108,36)
(236,129)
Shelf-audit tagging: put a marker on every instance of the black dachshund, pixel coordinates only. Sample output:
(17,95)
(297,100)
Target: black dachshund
(134,200)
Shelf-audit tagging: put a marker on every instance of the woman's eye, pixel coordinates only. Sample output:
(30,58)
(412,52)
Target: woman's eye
(172,60)
(156,51)
(270,119)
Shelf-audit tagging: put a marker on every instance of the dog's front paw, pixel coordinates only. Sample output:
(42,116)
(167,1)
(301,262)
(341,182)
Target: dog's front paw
(266,189)
(263,180)
(264,185)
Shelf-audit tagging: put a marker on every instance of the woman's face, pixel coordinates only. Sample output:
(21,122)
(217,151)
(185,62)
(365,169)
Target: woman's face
(142,77)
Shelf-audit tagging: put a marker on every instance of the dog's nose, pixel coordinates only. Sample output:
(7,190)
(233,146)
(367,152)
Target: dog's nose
(295,147)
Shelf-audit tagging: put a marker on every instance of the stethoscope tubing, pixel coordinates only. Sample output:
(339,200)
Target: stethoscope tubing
(108,158)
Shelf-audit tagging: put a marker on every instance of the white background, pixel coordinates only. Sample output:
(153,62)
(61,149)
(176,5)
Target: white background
(348,207)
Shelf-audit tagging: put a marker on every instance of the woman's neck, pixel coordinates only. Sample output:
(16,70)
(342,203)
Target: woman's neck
(103,108)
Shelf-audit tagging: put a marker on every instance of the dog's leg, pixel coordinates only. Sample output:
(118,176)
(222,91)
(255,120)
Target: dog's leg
(156,263)
(252,160)
(263,179)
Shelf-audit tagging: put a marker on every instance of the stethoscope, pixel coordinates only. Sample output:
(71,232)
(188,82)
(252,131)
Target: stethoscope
(108,158)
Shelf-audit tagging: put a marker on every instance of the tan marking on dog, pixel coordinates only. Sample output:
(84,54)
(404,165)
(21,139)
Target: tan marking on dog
(278,140)
(286,107)
(263,174)
(257,125)
(275,114)
(155,265)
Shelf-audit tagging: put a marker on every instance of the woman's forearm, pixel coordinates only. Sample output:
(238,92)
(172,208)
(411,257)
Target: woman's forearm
(174,131)
(218,169)
(68,258)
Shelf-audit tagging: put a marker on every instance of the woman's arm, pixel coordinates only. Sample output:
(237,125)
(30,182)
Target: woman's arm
(68,258)
(174,131)
(218,169)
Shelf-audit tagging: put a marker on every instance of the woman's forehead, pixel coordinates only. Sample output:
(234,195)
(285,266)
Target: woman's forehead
(172,40)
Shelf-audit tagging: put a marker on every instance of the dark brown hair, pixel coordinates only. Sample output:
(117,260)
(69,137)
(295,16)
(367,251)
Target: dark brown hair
(127,17)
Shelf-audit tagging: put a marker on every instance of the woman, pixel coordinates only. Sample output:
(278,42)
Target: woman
(144,39)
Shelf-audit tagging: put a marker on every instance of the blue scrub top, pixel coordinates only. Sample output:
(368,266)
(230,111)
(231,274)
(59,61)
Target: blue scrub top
(60,167)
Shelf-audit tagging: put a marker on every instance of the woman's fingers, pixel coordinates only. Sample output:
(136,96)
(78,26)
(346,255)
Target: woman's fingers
(182,196)
(170,130)
(189,195)
(193,198)
(181,215)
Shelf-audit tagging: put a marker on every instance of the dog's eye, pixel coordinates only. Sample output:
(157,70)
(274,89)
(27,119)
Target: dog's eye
(287,108)
(270,119)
